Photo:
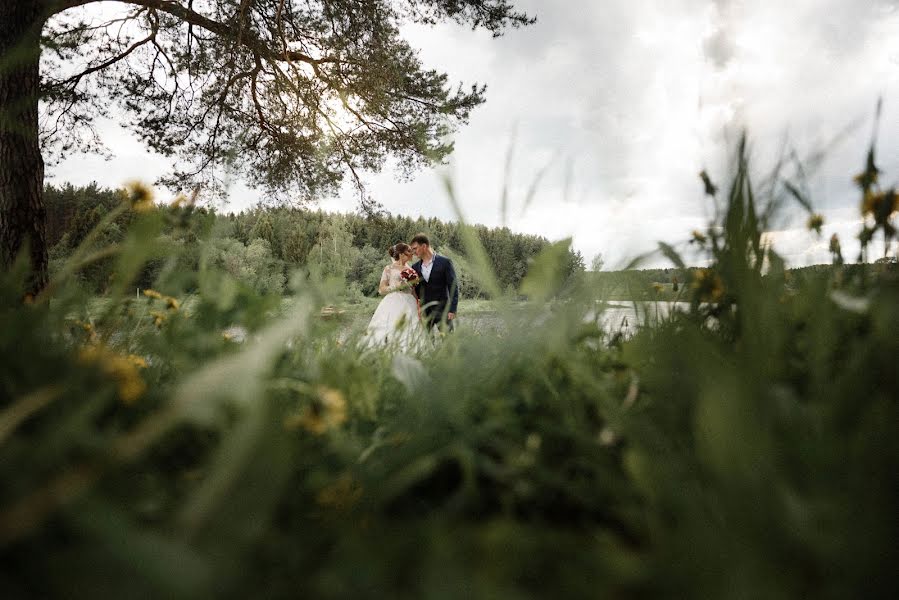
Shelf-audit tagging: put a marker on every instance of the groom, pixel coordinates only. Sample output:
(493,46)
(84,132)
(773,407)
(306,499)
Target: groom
(438,290)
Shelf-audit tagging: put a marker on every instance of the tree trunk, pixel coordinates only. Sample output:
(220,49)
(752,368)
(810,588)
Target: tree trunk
(22,212)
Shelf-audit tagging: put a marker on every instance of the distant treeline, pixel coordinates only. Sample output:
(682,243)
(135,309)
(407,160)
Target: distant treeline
(669,284)
(264,245)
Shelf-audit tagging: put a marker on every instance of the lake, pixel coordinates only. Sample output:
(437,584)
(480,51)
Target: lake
(615,316)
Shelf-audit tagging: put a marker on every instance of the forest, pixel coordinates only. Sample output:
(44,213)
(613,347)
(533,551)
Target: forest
(262,246)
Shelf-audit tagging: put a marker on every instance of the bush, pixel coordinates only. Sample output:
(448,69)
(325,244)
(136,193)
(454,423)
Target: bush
(252,265)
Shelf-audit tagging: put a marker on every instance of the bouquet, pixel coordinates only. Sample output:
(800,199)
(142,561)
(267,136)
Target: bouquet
(409,275)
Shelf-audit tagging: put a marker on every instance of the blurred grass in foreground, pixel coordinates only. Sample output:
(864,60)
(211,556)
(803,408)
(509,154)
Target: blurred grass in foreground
(745,448)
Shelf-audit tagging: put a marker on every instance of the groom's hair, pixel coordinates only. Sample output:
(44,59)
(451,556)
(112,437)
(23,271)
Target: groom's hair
(420,238)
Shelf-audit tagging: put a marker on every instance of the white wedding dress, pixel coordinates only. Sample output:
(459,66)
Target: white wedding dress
(396,320)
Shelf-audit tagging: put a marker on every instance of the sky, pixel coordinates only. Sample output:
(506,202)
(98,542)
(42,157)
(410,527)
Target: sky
(607,110)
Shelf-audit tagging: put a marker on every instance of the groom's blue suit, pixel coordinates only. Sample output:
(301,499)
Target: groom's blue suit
(438,295)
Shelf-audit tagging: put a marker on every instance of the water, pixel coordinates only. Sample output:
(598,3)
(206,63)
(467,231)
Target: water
(625,317)
(616,317)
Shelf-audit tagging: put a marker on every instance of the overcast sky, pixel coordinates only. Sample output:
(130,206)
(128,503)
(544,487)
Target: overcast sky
(621,103)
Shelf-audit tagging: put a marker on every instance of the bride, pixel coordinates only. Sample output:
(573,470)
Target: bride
(397,319)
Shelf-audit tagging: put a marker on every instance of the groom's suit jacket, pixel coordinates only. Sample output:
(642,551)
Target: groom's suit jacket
(440,293)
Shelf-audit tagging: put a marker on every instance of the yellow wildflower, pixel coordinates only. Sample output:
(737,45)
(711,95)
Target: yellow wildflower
(139,195)
(137,361)
(158,317)
(708,285)
(698,237)
(170,302)
(123,369)
(88,329)
(327,411)
(658,288)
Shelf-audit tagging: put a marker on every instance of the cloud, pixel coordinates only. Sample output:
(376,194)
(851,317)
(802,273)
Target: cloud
(719,46)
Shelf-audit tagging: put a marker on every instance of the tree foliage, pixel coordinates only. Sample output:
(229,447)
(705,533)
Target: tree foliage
(349,247)
(289,95)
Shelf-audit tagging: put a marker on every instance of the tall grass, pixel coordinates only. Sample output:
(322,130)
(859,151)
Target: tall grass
(745,448)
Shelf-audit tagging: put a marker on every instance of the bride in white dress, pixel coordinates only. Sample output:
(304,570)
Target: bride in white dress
(397,319)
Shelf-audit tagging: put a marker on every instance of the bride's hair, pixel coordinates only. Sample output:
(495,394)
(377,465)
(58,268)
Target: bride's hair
(397,250)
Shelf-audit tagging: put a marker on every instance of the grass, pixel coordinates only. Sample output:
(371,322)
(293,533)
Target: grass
(744,447)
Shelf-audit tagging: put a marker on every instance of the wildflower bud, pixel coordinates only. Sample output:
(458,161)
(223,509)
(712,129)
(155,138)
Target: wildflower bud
(866,235)
(834,243)
(866,179)
(710,188)
(835,250)
(815,222)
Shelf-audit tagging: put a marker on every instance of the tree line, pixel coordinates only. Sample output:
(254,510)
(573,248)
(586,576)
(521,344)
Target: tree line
(674,283)
(263,245)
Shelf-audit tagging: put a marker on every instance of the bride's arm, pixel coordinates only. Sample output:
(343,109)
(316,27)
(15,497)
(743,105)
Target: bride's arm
(384,286)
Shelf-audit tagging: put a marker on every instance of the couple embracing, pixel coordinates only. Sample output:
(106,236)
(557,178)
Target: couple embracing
(416,299)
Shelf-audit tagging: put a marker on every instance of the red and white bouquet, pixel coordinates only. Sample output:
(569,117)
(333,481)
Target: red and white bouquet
(409,275)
